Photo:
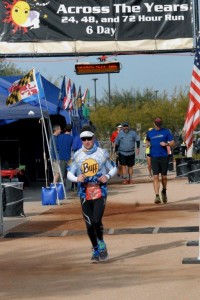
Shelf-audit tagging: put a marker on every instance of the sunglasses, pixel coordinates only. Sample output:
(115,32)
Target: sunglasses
(86,138)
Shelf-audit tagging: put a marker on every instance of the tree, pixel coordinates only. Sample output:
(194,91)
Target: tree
(136,107)
(9,69)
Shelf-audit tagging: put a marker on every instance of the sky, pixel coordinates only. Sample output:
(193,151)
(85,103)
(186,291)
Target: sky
(158,72)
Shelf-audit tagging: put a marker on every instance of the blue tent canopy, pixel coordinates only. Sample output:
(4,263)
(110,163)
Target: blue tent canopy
(21,110)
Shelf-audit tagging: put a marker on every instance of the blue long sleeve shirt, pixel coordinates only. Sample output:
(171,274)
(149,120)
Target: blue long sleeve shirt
(64,145)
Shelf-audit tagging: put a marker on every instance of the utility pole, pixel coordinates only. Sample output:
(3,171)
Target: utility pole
(156,92)
(95,91)
(109,88)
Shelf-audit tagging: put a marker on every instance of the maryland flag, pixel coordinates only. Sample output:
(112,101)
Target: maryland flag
(25,89)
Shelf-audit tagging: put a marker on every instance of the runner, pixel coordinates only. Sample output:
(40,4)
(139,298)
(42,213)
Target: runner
(89,168)
(159,139)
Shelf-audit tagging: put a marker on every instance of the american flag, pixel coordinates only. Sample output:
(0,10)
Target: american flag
(73,96)
(83,98)
(65,96)
(193,112)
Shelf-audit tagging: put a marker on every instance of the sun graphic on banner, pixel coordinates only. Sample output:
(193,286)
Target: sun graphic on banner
(20,15)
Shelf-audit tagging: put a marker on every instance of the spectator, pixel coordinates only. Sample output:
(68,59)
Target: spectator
(125,145)
(54,153)
(147,153)
(77,143)
(64,146)
(183,148)
(112,139)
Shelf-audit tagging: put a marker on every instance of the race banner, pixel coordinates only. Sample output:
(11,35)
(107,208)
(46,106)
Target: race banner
(82,25)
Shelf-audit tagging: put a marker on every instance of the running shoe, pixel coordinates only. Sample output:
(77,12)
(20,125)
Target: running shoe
(103,253)
(164,196)
(126,181)
(157,199)
(95,256)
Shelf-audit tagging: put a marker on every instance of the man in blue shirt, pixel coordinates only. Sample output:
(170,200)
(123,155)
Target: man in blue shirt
(54,152)
(125,146)
(159,139)
(64,146)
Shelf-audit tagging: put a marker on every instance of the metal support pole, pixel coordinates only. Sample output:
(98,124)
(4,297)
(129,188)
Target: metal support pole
(156,94)
(196,10)
(95,91)
(109,88)
(1,204)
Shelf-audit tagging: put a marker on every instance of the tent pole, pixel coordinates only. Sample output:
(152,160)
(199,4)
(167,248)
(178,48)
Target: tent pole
(42,117)
(1,204)
(44,153)
(51,132)
(44,126)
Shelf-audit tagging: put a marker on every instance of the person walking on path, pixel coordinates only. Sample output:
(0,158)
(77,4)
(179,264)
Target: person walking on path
(112,140)
(64,146)
(54,152)
(125,145)
(159,139)
(91,167)
(147,154)
(114,135)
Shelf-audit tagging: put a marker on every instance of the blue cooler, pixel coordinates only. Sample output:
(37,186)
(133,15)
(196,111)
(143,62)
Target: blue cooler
(49,195)
(60,190)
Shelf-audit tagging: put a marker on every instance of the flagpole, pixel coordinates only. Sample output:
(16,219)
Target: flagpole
(58,202)
(43,126)
(51,133)
(44,153)
(196,10)
(1,204)
(191,122)
(199,233)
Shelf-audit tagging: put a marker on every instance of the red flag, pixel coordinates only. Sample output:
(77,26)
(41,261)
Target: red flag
(68,96)
(73,96)
(193,112)
(83,98)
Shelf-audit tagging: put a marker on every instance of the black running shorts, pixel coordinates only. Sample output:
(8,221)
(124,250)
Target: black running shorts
(159,165)
(127,160)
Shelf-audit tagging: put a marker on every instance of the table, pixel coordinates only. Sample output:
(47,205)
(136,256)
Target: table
(10,173)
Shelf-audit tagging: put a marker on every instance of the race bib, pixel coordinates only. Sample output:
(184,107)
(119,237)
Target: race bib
(93,192)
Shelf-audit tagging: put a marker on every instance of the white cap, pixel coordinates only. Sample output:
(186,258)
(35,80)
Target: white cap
(86,134)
